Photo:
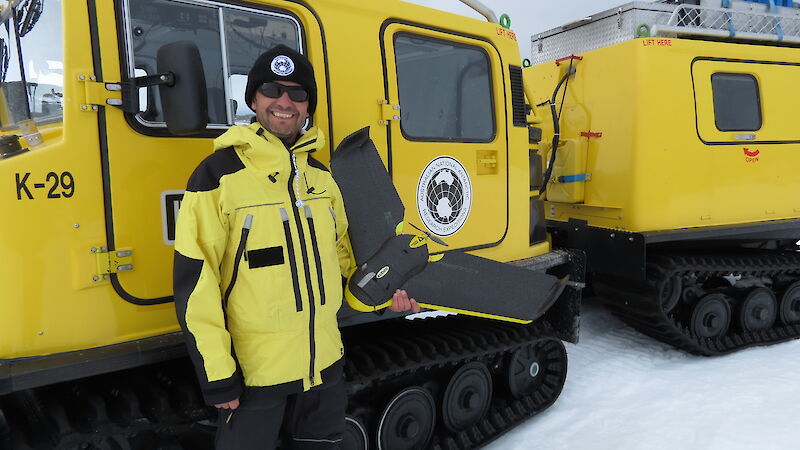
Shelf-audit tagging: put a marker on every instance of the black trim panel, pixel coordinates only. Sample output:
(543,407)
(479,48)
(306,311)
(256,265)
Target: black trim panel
(537,231)
(624,253)
(95,39)
(186,275)
(264,257)
(304,144)
(313,162)
(773,229)
(206,176)
(608,251)
(184,280)
(27,373)
(518,108)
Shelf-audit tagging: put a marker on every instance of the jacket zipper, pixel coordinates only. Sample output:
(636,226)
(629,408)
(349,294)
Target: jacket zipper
(306,267)
(292,263)
(248,223)
(317,259)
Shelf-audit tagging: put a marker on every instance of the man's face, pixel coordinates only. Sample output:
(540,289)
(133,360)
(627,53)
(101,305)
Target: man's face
(280,116)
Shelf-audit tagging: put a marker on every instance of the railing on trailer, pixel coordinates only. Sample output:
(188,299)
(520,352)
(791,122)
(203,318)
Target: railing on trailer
(731,19)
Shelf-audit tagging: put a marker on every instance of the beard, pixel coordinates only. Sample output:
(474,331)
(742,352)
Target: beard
(284,129)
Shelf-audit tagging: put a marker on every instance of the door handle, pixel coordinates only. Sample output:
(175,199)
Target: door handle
(488,162)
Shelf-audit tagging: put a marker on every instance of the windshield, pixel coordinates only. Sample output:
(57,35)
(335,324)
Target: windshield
(31,63)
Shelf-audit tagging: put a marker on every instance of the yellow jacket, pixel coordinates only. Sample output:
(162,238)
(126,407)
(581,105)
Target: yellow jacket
(260,249)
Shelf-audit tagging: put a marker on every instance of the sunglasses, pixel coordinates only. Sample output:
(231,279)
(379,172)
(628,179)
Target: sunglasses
(275,90)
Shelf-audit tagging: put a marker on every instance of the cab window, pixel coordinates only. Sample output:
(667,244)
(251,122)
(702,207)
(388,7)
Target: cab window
(737,106)
(229,38)
(444,90)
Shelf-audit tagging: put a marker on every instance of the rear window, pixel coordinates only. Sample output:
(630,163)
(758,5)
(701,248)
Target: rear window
(737,105)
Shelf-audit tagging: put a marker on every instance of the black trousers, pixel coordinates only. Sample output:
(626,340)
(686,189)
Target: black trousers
(311,420)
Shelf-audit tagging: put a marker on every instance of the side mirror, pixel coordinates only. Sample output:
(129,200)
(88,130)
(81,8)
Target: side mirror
(183,101)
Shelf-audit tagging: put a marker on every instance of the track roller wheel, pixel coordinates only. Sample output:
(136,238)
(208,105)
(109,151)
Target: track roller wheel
(538,369)
(691,294)
(758,310)
(408,420)
(467,396)
(711,316)
(790,304)
(670,293)
(355,434)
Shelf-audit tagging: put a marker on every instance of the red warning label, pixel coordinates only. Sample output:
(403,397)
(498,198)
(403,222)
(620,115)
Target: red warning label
(751,156)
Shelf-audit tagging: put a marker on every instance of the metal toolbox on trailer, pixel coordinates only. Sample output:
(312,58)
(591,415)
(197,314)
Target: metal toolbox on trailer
(734,19)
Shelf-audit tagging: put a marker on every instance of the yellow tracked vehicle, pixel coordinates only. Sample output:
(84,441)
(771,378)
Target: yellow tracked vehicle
(675,165)
(98,142)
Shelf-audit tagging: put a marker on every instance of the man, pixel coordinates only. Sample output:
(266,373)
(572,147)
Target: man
(261,247)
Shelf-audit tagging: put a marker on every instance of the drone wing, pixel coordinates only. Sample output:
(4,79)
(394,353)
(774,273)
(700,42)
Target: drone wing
(472,285)
(386,261)
(373,207)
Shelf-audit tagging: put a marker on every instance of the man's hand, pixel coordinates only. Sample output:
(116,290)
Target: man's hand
(233,404)
(401,302)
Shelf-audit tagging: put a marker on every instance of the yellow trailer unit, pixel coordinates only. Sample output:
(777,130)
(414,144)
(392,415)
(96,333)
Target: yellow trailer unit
(676,165)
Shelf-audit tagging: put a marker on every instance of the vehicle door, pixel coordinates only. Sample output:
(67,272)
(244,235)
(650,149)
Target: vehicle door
(447,141)
(743,112)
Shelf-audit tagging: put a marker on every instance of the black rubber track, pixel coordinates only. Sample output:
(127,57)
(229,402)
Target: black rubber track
(157,407)
(394,355)
(148,408)
(638,304)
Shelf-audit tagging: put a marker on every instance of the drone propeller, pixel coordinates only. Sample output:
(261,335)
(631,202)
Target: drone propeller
(430,236)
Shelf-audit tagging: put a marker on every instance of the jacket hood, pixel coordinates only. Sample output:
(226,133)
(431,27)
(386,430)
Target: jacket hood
(263,150)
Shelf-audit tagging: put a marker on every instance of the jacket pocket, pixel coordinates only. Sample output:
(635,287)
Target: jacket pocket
(292,260)
(248,223)
(317,259)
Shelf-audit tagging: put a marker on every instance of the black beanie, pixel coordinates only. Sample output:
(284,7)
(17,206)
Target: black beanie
(281,63)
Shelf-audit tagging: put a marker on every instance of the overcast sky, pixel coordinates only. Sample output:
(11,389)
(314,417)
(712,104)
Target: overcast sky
(530,16)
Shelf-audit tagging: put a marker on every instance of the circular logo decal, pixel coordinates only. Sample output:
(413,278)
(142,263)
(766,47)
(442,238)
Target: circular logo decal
(282,65)
(444,196)
(383,272)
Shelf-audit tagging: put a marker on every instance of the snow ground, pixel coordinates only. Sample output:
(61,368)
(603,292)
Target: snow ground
(625,391)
